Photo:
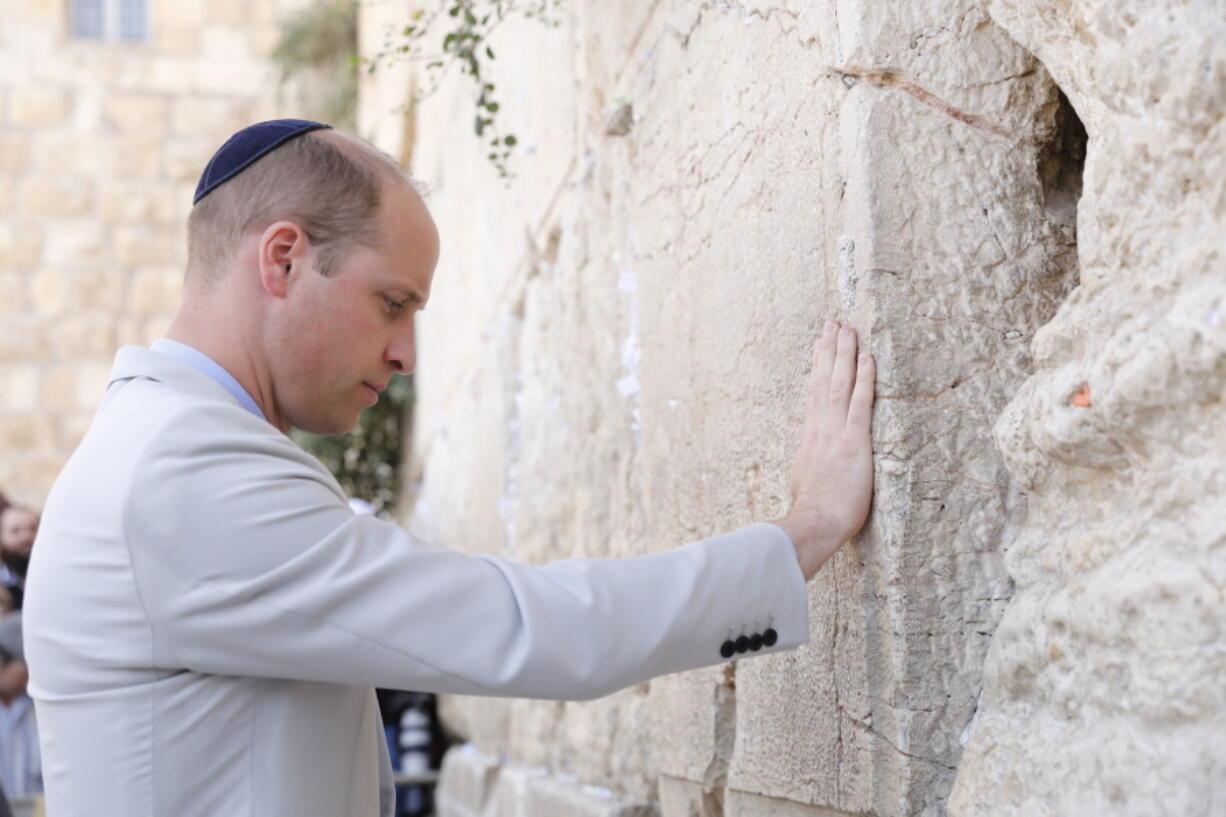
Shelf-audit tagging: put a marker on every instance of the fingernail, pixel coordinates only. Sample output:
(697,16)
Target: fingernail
(828,328)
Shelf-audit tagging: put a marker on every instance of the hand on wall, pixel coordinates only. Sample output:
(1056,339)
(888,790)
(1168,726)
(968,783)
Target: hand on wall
(832,479)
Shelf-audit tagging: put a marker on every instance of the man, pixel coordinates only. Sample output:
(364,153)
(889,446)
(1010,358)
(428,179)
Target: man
(18,529)
(20,765)
(206,617)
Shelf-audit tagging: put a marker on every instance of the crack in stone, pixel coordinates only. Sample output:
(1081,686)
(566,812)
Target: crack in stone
(867,727)
(889,78)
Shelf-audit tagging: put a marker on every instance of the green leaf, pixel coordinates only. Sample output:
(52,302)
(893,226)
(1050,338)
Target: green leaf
(510,140)
(489,52)
(492,107)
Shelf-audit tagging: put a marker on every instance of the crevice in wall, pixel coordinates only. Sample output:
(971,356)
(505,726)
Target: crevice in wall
(715,776)
(1061,162)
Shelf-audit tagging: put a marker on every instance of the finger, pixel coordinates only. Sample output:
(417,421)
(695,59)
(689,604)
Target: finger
(860,412)
(842,376)
(819,373)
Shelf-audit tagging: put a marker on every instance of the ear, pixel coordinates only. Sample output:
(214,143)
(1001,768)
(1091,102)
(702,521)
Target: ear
(283,254)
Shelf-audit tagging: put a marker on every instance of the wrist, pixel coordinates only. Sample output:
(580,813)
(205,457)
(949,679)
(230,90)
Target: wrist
(814,545)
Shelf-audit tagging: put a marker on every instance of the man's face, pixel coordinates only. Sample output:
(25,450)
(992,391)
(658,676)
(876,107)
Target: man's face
(344,336)
(18,528)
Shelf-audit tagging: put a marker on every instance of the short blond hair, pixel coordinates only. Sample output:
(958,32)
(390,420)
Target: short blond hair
(330,183)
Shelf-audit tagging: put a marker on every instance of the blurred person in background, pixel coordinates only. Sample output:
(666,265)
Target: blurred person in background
(20,759)
(18,529)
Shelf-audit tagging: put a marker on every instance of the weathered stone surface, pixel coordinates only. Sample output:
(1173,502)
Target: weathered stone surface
(475,784)
(18,387)
(142,247)
(83,337)
(20,245)
(1102,690)
(154,292)
(138,113)
(646,301)
(27,432)
(37,107)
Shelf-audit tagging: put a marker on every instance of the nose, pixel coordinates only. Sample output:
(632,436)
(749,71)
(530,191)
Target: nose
(402,353)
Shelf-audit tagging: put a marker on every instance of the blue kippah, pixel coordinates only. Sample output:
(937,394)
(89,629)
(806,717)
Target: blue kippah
(244,147)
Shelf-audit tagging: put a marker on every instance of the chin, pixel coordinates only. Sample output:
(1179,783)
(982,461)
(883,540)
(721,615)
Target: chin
(328,426)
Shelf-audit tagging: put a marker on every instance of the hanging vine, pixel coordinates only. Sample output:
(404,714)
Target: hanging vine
(463,29)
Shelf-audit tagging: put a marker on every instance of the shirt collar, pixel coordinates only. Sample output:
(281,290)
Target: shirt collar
(206,365)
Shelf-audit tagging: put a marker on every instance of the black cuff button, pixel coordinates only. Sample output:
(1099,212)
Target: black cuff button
(727,649)
(755,642)
(770,637)
(742,644)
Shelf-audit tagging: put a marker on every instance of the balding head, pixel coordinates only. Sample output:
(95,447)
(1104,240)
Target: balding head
(327,181)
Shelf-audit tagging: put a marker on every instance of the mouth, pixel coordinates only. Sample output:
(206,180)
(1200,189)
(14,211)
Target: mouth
(374,390)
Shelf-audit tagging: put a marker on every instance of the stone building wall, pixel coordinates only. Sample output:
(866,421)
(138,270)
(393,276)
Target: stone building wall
(1021,207)
(101,144)
(613,358)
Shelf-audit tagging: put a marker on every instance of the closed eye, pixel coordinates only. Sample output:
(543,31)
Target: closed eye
(393,306)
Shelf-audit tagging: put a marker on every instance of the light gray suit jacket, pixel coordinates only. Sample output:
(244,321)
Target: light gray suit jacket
(206,618)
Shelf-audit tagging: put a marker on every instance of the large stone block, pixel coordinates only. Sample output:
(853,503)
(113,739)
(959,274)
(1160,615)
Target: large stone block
(236,13)
(56,196)
(465,782)
(748,804)
(133,156)
(688,798)
(219,43)
(38,472)
(75,242)
(144,203)
(475,784)
(144,247)
(70,152)
(97,291)
(155,292)
(146,115)
(27,432)
(48,292)
(91,380)
(14,152)
(186,157)
(181,14)
(38,107)
(19,387)
(57,388)
(20,245)
(76,337)
(72,427)
(213,119)
(14,286)
(23,340)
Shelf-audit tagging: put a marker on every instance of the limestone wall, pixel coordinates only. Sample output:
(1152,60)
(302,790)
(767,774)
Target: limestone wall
(614,353)
(101,144)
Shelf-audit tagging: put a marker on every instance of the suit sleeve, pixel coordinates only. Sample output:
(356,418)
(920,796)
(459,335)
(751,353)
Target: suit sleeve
(249,562)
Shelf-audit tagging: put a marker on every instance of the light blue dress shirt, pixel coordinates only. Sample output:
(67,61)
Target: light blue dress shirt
(206,365)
